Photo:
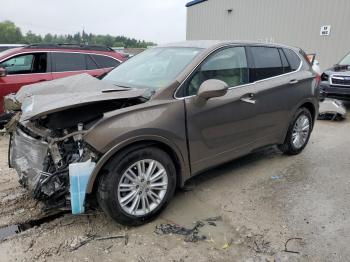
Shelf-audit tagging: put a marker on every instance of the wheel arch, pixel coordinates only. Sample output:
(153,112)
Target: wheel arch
(182,168)
(310,106)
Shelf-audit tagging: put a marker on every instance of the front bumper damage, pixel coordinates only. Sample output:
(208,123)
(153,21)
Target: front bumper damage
(27,156)
(57,178)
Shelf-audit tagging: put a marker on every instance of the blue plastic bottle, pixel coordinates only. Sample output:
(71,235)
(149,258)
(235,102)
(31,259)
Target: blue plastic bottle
(79,174)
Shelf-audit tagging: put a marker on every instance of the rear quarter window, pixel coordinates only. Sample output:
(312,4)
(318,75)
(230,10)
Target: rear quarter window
(105,61)
(292,58)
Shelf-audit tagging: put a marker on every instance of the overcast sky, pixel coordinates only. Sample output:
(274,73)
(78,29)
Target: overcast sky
(159,21)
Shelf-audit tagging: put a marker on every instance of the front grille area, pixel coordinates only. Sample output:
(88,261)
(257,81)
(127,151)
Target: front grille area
(28,157)
(341,81)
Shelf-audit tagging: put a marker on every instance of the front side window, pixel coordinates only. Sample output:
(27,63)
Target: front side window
(228,65)
(26,64)
(68,62)
(152,69)
(267,62)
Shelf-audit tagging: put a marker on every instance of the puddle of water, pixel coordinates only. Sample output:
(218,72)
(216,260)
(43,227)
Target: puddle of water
(12,230)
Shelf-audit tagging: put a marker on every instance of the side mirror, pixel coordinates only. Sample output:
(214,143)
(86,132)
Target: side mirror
(212,88)
(3,72)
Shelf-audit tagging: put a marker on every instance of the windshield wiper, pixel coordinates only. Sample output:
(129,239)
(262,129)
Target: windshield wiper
(126,87)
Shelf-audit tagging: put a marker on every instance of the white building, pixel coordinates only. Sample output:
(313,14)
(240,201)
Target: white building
(317,26)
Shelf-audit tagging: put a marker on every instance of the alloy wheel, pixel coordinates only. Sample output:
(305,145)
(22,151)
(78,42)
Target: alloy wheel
(142,187)
(301,131)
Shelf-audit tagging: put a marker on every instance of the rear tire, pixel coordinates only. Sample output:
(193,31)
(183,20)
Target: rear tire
(298,134)
(134,190)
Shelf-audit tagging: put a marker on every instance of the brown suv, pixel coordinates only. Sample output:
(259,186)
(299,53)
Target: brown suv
(158,119)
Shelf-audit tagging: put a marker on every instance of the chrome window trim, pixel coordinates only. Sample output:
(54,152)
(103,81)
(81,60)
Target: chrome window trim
(243,85)
(340,77)
(61,51)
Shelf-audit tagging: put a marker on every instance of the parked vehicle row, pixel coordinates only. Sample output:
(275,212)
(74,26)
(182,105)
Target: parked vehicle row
(156,120)
(44,62)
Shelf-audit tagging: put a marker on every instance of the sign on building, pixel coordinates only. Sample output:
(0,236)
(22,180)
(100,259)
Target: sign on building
(325,30)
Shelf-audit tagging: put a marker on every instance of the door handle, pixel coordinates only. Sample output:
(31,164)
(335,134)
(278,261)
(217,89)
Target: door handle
(294,81)
(248,99)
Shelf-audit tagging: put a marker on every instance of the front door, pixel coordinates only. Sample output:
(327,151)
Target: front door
(223,127)
(23,70)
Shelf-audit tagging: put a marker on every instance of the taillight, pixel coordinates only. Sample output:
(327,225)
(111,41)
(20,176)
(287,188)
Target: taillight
(318,79)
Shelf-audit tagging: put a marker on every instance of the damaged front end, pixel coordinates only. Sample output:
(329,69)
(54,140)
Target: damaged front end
(47,146)
(42,159)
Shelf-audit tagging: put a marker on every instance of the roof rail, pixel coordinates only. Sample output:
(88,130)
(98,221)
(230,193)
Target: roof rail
(72,46)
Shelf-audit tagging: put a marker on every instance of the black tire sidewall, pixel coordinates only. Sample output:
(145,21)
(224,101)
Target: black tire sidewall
(291,149)
(108,193)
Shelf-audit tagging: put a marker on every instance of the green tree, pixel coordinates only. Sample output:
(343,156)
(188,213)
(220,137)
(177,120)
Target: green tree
(31,38)
(9,33)
(48,38)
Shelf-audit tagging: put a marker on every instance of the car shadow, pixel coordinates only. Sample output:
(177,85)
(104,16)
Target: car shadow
(230,167)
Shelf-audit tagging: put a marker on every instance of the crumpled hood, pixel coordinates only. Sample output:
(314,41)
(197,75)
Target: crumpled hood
(45,98)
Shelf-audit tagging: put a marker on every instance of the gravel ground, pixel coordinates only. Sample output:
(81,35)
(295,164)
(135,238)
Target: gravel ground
(264,200)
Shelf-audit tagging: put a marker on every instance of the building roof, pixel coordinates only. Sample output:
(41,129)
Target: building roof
(194,2)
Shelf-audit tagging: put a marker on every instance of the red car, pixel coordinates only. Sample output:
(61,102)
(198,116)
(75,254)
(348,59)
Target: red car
(43,62)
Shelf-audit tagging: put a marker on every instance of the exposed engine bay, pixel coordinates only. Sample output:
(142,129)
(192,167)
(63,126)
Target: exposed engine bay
(43,147)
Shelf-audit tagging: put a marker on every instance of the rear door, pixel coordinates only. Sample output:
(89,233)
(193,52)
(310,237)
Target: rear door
(22,70)
(67,64)
(276,79)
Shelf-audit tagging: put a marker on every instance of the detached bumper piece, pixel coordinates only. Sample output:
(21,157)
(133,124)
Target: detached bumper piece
(332,109)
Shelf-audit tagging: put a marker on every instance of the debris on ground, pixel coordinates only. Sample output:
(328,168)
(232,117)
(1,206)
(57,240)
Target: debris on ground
(332,109)
(276,177)
(80,241)
(213,219)
(191,235)
(259,244)
(227,244)
(125,236)
(286,244)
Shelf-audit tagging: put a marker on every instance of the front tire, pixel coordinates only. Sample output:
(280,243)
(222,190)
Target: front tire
(298,134)
(137,186)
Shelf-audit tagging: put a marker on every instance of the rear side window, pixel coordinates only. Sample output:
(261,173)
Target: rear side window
(68,62)
(292,58)
(267,62)
(105,61)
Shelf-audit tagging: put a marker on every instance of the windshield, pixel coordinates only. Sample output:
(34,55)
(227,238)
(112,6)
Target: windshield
(345,60)
(152,69)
